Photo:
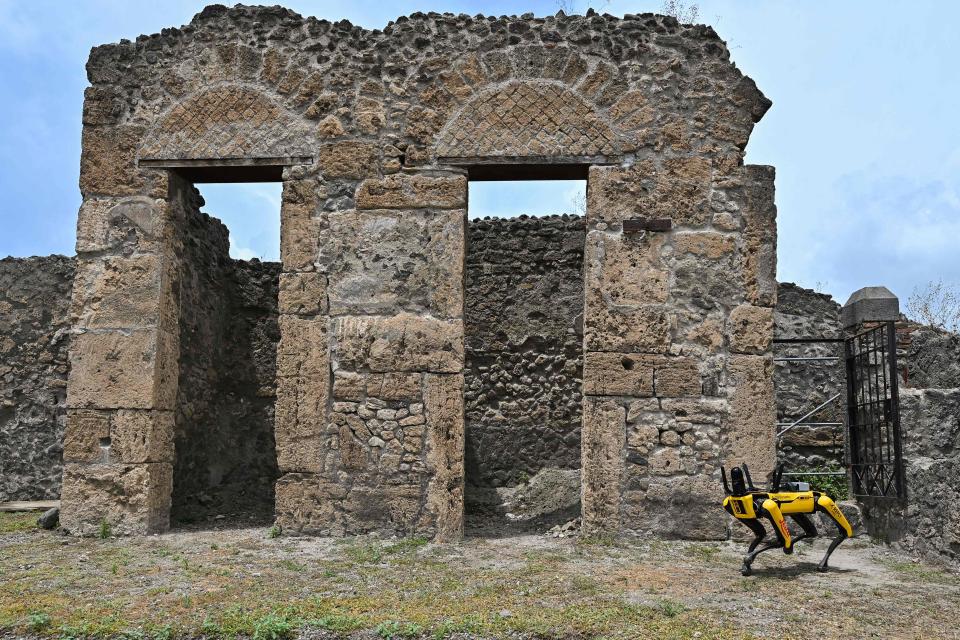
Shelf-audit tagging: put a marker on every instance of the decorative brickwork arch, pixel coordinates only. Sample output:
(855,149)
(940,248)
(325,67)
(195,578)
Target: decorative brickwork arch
(527,118)
(228,121)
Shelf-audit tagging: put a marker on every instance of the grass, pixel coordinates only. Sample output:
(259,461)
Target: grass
(17,521)
(398,590)
(244,585)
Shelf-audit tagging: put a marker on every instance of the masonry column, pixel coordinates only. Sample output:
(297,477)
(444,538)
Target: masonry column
(118,448)
(370,399)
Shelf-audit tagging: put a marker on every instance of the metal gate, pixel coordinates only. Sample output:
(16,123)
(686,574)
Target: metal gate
(873,413)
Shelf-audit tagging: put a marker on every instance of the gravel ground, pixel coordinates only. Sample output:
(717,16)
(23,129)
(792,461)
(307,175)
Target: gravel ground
(231,582)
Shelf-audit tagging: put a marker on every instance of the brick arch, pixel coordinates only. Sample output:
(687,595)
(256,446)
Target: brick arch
(523,118)
(228,121)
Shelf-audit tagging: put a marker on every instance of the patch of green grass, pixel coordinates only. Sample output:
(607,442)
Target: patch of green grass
(104,531)
(705,552)
(597,540)
(364,552)
(392,630)
(670,608)
(338,623)
(406,545)
(17,522)
(272,627)
(274,532)
(38,621)
(921,572)
(291,565)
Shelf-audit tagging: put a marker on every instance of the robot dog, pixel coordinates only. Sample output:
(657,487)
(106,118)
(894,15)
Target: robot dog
(748,504)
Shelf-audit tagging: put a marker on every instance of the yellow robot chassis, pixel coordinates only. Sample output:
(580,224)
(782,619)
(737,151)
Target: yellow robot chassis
(749,505)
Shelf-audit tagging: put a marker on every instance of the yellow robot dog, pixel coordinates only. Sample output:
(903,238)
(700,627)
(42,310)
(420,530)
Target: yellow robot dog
(749,504)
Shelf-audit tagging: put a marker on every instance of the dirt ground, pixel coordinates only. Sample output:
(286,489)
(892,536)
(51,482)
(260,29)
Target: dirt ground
(249,582)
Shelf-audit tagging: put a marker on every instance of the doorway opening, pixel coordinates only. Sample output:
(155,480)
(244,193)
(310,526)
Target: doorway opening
(523,311)
(226,465)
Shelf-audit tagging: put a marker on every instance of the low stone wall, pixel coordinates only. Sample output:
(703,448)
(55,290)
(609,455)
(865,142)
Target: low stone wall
(523,376)
(34,339)
(225,453)
(928,524)
(932,357)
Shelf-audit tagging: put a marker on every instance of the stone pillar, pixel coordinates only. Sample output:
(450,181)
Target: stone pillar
(370,422)
(678,328)
(118,448)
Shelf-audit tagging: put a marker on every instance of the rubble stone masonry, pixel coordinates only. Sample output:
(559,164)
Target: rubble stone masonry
(375,134)
(34,336)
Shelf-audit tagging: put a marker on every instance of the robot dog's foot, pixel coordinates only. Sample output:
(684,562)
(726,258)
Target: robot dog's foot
(833,545)
(745,570)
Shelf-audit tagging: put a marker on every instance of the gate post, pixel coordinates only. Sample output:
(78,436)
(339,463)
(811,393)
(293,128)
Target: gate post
(869,322)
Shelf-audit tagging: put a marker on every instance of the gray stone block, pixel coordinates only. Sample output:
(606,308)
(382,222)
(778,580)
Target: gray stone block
(870,304)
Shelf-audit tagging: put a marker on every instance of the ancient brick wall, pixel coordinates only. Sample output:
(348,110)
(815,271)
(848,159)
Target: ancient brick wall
(34,337)
(225,461)
(523,379)
(375,134)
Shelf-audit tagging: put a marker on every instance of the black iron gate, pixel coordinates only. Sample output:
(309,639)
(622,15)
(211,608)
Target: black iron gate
(873,413)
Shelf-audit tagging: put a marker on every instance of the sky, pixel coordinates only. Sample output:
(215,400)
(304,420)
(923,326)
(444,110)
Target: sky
(863,129)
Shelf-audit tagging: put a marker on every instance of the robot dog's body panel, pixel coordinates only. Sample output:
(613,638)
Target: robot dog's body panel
(749,505)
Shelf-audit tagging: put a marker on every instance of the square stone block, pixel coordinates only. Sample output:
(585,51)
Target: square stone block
(124,293)
(399,343)
(416,191)
(679,190)
(349,159)
(303,348)
(108,161)
(135,369)
(300,229)
(85,431)
(133,499)
(303,293)
(617,374)
(135,224)
(751,329)
(383,262)
(676,377)
(626,270)
(639,329)
(141,436)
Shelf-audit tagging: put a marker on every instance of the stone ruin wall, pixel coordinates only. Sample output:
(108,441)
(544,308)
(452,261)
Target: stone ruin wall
(374,134)
(34,337)
(523,318)
(802,386)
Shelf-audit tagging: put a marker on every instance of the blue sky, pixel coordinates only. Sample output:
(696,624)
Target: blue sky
(863,129)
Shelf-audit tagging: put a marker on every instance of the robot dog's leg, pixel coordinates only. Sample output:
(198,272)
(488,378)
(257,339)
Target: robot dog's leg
(748,559)
(809,529)
(825,504)
(772,512)
(758,531)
